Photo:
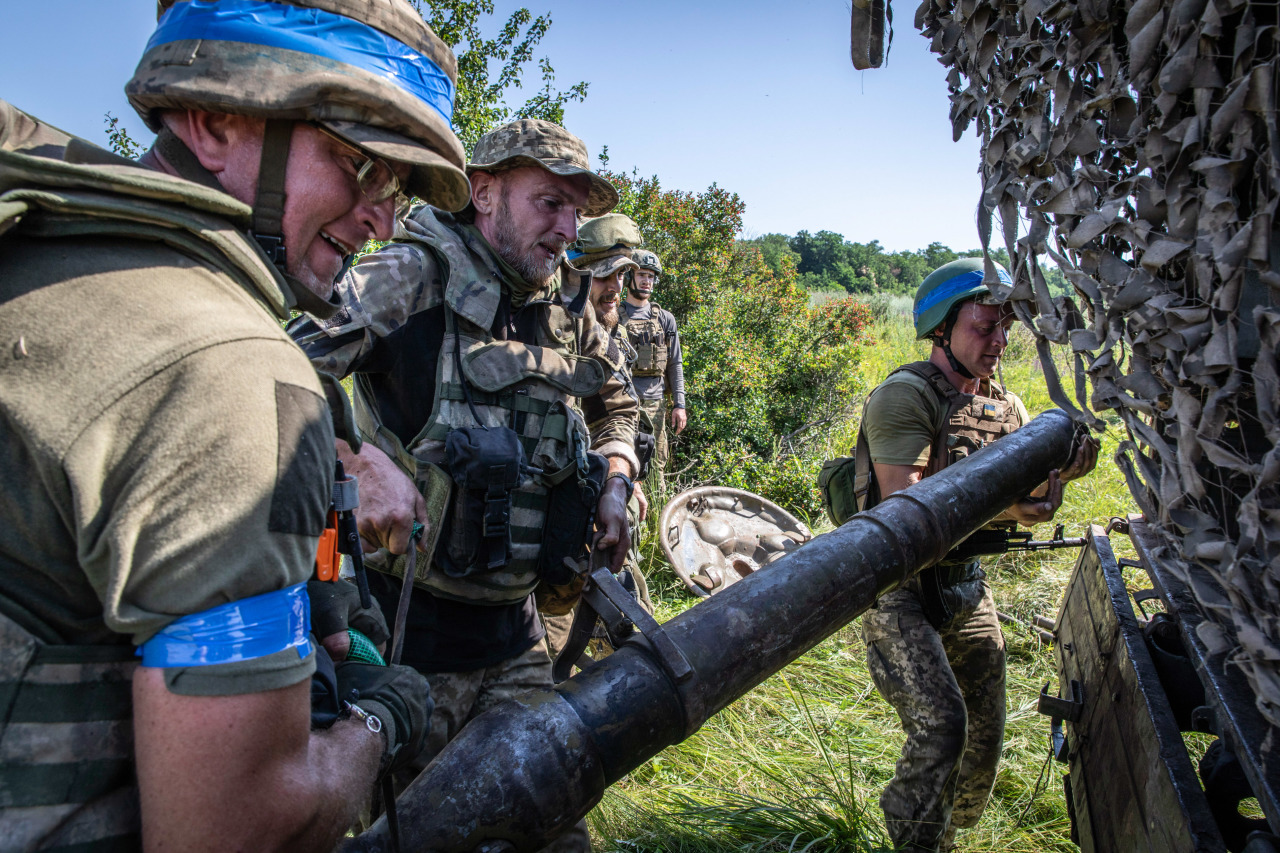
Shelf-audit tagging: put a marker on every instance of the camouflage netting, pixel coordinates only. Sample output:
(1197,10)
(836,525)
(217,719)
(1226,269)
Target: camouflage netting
(1135,144)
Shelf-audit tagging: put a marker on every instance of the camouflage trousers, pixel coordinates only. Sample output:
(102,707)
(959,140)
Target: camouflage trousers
(656,411)
(948,688)
(460,697)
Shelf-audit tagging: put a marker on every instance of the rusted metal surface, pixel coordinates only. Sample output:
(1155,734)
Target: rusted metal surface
(1133,786)
(714,536)
(1235,718)
(529,768)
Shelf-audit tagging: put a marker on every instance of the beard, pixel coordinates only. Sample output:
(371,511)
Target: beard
(607,316)
(526,261)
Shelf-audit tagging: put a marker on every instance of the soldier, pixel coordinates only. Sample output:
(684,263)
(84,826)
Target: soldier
(459,324)
(934,645)
(604,249)
(143,366)
(658,370)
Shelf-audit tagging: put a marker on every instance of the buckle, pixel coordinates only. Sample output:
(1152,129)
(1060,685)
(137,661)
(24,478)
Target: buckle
(272,246)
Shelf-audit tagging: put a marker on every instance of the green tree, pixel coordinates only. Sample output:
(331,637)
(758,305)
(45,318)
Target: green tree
(481,103)
(693,234)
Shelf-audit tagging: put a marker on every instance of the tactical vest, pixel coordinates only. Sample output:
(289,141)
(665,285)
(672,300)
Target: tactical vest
(532,389)
(968,422)
(650,342)
(67,778)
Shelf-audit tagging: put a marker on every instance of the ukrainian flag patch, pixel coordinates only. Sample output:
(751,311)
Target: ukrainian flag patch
(988,410)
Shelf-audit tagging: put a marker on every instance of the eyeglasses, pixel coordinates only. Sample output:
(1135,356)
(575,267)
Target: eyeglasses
(376,179)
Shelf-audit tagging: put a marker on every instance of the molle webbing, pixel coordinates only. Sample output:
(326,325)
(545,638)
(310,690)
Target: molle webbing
(650,341)
(67,779)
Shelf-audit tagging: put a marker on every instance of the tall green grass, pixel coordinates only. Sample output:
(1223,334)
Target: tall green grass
(798,763)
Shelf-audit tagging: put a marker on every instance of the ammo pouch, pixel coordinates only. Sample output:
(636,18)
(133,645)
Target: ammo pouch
(949,589)
(571,517)
(485,464)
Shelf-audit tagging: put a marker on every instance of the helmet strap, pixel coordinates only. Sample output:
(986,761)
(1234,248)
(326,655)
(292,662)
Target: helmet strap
(268,205)
(176,153)
(945,342)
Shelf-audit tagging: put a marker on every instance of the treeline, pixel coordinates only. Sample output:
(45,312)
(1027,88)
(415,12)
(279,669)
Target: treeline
(827,261)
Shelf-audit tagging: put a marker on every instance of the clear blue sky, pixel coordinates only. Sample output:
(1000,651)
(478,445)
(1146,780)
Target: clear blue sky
(756,98)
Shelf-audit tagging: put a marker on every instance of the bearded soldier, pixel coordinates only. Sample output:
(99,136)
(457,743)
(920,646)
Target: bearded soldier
(934,645)
(658,371)
(469,364)
(167,450)
(604,249)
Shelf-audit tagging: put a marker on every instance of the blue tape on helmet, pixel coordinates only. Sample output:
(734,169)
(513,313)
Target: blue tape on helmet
(241,630)
(312,31)
(963,284)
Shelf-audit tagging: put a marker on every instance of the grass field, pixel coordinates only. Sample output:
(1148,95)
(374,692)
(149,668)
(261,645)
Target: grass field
(799,762)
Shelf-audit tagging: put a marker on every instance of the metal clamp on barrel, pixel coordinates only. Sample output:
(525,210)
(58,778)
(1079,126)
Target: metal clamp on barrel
(605,599)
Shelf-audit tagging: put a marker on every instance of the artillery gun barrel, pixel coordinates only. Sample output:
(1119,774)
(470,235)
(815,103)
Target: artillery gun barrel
(520,774)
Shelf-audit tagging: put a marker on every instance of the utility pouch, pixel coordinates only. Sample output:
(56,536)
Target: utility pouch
(838,483)
(571,517)
(485,464)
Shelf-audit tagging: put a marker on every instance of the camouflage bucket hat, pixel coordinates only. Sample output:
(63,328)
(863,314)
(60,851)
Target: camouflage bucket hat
(371,71)
(536,142)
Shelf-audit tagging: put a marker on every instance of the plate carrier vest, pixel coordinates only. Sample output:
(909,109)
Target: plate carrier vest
(650,342)
(968,422)
(533,389)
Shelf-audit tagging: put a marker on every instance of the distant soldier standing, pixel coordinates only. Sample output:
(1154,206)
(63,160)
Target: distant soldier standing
(934,645)
(658,371)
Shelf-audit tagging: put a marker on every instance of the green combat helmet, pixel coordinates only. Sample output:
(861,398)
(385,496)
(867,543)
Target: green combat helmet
(535,142)
(370,71)
(940,295)
(647,260)
(605,244)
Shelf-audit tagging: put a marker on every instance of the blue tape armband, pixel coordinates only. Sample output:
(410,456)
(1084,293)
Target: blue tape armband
(241,630)
(312,31)
(965,282)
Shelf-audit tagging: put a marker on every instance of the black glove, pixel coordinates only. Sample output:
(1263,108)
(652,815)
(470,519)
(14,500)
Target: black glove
(335,607)
(396,695)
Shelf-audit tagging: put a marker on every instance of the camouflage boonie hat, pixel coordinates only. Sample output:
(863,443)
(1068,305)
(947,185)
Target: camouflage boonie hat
(540,143)
(371,71)
(609,266)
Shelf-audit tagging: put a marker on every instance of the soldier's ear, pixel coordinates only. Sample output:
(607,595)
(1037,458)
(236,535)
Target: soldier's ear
(485,191)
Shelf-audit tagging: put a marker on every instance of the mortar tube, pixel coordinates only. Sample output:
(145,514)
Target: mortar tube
(519,775)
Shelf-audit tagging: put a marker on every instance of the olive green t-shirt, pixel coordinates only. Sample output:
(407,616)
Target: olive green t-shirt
(902,415)
(164,449)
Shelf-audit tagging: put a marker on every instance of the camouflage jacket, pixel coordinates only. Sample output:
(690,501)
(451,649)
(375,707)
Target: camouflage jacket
(436,290)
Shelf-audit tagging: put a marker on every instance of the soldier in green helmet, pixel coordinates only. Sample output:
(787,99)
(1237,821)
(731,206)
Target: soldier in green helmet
(604,249)
(166,449)
(659,372)
(934,645)
(460,328)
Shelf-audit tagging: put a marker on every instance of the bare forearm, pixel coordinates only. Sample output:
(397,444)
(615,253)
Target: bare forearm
(337,778)
(244,772)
